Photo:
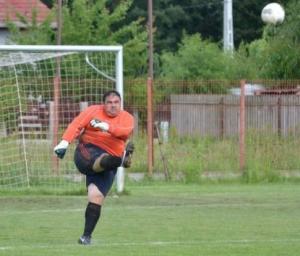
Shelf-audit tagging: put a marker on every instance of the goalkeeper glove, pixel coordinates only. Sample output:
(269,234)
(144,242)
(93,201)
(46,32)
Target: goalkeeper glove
(61,148)
(100,125)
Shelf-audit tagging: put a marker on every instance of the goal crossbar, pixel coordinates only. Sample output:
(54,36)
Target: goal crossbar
(82,48)
(55,48)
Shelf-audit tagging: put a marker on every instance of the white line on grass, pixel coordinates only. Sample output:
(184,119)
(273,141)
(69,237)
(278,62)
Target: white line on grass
(40,211)
(136,207)
(100,243)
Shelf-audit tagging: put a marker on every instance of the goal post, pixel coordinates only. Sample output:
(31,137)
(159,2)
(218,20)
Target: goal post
(42,88)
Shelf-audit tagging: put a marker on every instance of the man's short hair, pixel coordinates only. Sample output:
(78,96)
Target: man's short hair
(109,93)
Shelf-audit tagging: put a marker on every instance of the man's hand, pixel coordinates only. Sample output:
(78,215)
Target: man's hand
(61,148)
(100,125)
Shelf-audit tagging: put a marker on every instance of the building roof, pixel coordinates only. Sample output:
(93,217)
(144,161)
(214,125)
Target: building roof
(10,8)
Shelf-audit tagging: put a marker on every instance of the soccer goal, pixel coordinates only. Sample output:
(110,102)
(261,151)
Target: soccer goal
(42,88)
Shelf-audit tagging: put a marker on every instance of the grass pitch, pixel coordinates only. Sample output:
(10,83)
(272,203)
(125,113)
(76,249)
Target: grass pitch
(165,219)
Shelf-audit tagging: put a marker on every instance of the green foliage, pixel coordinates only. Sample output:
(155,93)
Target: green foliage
(275,56)
(242,66)
(88,23)
(251,58)
(35,33)
(267,154)
(277,53)
(189,160)
(172,17)
(91,23)
(107,22)
(201,59)
(195,58)
(196,159)
(285,46)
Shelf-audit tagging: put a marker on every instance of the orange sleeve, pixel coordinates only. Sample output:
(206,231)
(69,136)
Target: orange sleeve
(122,131)
(79,123)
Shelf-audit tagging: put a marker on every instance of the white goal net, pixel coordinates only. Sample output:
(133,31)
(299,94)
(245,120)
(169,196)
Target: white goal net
(42,88)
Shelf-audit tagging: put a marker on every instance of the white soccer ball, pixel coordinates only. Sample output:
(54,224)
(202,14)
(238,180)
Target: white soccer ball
(273,13)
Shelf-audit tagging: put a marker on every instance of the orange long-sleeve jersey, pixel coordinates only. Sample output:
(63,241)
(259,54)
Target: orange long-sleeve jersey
(112,141)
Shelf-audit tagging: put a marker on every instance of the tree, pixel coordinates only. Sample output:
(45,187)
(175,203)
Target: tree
(248,25)
(172,18)
(35,33)
(277,53)
(199,59)
(93,23)
(285,45)
(195,59)
(205,17)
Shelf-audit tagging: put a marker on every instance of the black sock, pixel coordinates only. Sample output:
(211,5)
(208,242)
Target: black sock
(92,215)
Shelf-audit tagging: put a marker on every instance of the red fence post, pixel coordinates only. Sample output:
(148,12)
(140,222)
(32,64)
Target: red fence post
(150,124)
(242,126)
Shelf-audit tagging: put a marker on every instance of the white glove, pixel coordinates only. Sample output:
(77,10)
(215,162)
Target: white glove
(100,125)
(61,148)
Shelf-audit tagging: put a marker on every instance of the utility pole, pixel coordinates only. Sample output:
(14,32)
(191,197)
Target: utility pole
(57,85)
(150,90)
(228,44)
(59,22)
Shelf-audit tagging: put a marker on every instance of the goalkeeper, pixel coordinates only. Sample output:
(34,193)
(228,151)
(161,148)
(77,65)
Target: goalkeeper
(102,131)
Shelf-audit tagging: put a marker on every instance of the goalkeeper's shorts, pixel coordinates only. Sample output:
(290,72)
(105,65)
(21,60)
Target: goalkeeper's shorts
(84,158)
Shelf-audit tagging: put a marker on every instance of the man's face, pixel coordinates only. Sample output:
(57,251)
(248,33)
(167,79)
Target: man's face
(112,105)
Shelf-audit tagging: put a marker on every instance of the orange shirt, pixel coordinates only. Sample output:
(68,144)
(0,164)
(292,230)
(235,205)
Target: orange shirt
(112,141)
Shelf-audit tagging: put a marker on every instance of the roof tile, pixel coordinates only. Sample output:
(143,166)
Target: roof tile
(9,9)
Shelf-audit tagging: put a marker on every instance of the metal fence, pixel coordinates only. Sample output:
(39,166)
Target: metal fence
(218,115)
(212,109)
(200,129)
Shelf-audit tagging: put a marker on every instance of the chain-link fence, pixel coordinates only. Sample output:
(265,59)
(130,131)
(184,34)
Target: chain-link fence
(200,127)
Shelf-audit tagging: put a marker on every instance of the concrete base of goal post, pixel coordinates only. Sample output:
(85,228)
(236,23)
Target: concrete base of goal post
(120,179)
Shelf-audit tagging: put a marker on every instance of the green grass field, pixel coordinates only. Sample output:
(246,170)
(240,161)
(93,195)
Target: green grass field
(159,219)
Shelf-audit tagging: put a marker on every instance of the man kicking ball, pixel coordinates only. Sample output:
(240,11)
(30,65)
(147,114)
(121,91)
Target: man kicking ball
(102,132)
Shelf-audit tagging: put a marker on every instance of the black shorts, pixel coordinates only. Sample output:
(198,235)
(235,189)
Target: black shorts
(84,158)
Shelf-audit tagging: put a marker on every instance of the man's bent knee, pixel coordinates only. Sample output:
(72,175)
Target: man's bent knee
(97,164)
(106,162)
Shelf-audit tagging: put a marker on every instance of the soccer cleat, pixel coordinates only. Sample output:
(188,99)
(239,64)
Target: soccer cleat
(85,240)
(128,155)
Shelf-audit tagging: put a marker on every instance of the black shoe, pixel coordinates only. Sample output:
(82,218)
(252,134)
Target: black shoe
(129,147)
(128,154)
(85,240)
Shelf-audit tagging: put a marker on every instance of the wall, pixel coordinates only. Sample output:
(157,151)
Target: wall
(218,115)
